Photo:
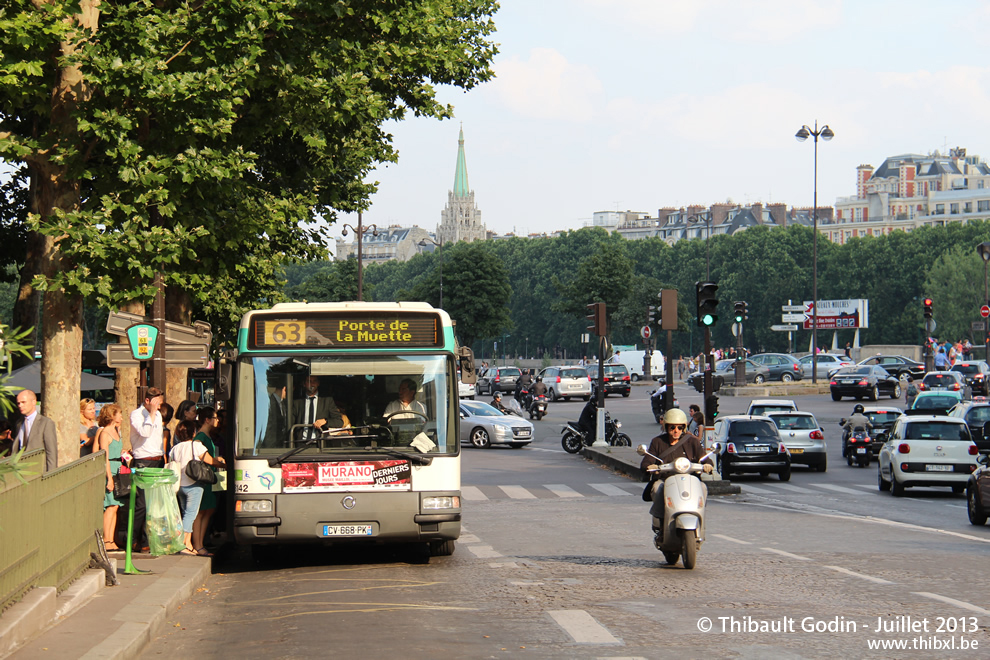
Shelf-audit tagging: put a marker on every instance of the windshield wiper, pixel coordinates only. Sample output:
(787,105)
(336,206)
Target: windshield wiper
(278,460)
(412,458)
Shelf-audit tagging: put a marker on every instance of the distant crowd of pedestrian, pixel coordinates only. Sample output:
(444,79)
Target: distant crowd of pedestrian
(947,353)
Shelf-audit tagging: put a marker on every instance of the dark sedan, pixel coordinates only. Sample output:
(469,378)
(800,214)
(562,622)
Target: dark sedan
(976,415)
(751,443)
(864,382)
(755,374)
(783,367)
(977,375)
(897,365)
(978,493)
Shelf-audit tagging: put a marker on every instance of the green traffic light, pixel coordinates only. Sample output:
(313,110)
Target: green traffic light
(739,318)
(708,319)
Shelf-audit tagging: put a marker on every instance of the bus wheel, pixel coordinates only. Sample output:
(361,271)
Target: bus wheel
(441,548)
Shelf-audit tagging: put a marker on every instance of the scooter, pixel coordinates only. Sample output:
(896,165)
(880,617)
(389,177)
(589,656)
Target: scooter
(537,407)
(572,437)
(859,449)
(682,530)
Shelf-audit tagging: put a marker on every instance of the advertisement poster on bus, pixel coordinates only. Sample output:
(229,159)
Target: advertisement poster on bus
(848,314)
(346,476)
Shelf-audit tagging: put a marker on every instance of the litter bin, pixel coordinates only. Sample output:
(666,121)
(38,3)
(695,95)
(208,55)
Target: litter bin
(146,478)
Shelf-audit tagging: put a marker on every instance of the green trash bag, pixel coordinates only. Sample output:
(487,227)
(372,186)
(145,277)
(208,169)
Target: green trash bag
(164,524)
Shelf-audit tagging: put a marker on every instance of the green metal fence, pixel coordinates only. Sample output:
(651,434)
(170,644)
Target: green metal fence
(47,524)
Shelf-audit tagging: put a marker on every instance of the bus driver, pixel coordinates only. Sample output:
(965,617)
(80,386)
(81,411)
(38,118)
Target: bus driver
(406,402)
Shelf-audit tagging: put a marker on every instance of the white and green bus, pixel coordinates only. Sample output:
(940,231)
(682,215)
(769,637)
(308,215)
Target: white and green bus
(352,463)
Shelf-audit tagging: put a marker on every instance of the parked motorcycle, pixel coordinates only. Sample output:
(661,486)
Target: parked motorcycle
(682,531)
(538,407)
(572,437)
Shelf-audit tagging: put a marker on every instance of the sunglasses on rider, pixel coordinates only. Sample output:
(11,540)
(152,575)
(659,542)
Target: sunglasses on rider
(679,427)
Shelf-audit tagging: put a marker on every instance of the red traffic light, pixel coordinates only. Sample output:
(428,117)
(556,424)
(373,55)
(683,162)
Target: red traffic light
(928,302)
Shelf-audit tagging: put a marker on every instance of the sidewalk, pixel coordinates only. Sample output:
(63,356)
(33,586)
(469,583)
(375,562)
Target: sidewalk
(626,461)
(116,622)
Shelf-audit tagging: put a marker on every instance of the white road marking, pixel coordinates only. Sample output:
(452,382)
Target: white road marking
(472,494)
(838,489)
(484,551)
(866,486)
(859,575)
(467,538)
(786,554)
(952,601)
(517,492)
(757,490)
(582,627)
(609,489)
(560,490)
(729,538)
(794,489)
(504,564)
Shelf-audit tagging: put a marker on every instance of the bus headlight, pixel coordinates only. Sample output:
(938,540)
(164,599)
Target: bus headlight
(441,502)
(253,506)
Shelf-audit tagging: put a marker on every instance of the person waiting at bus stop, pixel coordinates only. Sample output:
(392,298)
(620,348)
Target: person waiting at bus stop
(316,410)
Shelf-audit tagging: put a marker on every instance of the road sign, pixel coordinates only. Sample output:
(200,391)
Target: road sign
(176,355)
(736,329)
(645,332)
(792,308)
(979,326)
(985,311)
(199,332)
(784,328)
(930,325)
(792,318)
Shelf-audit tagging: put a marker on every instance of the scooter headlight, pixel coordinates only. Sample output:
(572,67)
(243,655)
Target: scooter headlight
(682,465)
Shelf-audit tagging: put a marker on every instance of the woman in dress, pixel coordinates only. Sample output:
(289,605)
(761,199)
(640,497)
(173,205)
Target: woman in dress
(207,421)
(108,439)
(87,427)
(187,448)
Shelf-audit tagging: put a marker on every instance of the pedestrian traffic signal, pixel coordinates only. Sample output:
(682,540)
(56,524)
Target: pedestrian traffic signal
(596,315)
(707,303)
(668,309)
(928,307)
(741,308)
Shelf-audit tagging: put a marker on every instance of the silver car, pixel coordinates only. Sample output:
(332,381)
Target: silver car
(484,426)
(827,363)
(565,382)
(803,437)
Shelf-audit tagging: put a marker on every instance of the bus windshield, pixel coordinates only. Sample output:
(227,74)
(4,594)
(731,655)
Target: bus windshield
(345,404)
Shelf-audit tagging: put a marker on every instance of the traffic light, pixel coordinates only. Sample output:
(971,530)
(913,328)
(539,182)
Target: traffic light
(928,307)
(596,315)
(668,309)
(707,303)
(711,408)
(741,308)
(652,314)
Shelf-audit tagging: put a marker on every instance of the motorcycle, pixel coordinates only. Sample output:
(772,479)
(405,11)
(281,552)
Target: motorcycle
(859,448)
(537,407)
(573,437)
(657,401)
(682,531)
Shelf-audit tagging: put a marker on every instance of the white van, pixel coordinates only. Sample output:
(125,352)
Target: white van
(634,363)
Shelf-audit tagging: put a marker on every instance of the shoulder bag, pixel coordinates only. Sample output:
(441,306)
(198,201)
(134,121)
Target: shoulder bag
(200,472)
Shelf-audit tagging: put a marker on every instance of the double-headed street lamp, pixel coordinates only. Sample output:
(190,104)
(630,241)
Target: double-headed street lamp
(360,231)
(984,251)
(802,135)
(423,243)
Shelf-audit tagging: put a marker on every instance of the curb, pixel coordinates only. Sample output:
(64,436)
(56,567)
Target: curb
(625,460)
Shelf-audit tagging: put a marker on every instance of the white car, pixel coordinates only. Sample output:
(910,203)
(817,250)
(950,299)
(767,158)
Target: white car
(804,438)
(764,406)
(466,390)
(827,364)
(926,450)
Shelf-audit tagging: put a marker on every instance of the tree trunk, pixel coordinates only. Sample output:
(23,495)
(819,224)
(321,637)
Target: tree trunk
(178,309)
(28,298)
(126,387)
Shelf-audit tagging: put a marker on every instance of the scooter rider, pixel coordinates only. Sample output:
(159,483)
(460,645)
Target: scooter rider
(497,403)
(589,418)
(858,421)
(669,446)
(539,387)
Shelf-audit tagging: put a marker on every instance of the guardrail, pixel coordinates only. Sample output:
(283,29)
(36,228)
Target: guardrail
(47,524)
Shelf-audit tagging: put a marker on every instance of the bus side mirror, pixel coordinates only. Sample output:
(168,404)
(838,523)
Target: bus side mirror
(465,356)
(225,375)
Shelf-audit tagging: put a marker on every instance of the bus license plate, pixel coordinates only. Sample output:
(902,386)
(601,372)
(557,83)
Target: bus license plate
(939,468)
(347,530)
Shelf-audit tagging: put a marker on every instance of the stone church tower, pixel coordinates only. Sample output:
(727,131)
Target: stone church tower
(461,219)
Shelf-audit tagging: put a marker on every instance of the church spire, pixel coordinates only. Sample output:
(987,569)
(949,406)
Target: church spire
(461,188)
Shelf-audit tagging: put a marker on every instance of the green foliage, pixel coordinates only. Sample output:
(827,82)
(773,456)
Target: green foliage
(956,297)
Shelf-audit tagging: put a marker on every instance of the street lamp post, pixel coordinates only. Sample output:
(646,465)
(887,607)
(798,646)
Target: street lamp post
(439,245)
(984,251)
(802,135)
(360,231)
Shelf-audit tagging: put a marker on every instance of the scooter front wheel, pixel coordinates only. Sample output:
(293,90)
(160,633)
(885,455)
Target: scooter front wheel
(689,547)
(539,415)
(571,443)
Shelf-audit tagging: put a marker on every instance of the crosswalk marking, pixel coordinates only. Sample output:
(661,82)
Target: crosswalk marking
(746,488)
(838,489)
(472,493)
(560,490)
(794,489)
(609,489)
(517,492)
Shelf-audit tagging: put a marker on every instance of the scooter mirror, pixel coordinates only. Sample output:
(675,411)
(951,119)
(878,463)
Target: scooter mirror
(641,450)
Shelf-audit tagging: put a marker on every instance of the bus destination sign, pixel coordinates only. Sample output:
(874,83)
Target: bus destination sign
(373,330)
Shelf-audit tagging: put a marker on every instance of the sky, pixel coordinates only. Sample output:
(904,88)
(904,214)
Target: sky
(604,105)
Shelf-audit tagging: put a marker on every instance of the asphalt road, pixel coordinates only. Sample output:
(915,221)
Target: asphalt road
(556,561)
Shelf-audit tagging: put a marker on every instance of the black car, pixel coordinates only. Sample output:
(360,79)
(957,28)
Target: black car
(864,382)
(978,492)
(751,443)
(976,415)
(617,379)
(498,379)
(897,365)
(950,381)
(977,375)
(755,373)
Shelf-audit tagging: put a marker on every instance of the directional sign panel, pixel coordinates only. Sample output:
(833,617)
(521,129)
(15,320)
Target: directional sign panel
(176,355)
(792,318)
(792,308)
(199,332)
(784,328)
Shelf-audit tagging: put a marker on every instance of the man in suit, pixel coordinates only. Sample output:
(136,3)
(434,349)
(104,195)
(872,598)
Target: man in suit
(36,431)
(275,430)
(315,410)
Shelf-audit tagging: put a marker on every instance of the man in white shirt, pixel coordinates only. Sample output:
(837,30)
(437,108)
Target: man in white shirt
(406,405)
(148,450)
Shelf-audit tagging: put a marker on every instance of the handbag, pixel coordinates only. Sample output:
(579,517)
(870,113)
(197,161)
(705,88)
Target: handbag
(121,485)
(200,472)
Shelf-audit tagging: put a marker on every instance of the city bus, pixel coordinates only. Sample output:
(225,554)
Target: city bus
(381,477)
